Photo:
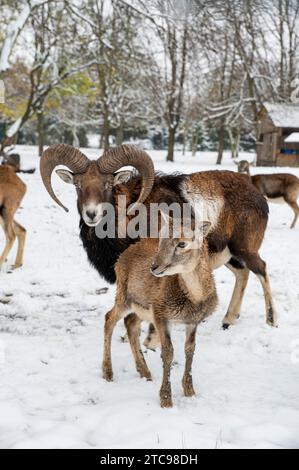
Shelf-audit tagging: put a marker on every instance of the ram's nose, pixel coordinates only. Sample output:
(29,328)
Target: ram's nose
(91,215)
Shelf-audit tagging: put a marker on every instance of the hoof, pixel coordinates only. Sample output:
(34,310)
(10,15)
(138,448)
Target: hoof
(166,403)
(146,375)
(166,399)
(189,392)
(16,266)
(108,375)
(271,318)
(148,378)
(226,326)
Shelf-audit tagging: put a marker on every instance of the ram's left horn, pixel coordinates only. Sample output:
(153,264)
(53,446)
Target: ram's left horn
(61,154)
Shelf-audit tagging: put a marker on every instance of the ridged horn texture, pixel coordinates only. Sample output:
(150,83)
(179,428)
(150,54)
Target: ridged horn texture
(130,155)
(61,154)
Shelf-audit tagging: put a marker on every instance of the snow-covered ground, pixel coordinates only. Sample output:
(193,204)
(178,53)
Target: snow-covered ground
(51,334)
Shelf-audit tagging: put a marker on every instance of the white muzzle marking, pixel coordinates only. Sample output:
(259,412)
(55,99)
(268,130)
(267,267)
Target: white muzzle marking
(92,214)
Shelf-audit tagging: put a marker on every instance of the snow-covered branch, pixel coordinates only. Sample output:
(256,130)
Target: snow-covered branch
(13,30)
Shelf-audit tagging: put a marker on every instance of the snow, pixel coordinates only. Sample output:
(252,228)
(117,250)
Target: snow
(13,30)
(293,138)
(283,115)
(13,129)
(93,140)
(51,337)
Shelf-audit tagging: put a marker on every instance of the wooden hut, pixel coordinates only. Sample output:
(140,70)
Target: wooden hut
(278,130)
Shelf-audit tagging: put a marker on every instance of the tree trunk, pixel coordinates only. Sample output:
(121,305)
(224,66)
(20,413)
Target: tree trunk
(194,142)
(184,143)
(40,131)
(234,143)
(221,145)
(104,144)
(171,142)
(76,141)
(120,134)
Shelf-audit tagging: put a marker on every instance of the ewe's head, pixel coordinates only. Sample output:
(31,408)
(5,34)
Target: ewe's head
(95,180)
(244,167)
(179,247)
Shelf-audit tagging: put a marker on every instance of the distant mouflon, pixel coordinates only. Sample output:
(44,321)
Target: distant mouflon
(163,281)
(12,191)
(276,187)
(238,213)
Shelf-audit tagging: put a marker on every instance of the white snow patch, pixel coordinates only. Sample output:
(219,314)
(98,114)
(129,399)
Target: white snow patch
(13,30)
(13,129)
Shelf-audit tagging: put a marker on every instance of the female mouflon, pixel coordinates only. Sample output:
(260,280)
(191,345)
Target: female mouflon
(163,281)
(275,187)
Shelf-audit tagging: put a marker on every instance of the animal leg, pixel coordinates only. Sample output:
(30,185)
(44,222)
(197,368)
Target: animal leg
(189,354)
(271,315)
(21,235)
(111,319)
(258,267)
(234,309)
(167,358)
(294,206)
(10,238)
(132,323)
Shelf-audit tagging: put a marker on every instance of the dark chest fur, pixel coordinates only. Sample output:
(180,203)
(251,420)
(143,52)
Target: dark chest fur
(102,253)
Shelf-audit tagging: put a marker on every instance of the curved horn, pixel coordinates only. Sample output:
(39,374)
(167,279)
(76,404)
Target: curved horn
(61,154)
(130,155)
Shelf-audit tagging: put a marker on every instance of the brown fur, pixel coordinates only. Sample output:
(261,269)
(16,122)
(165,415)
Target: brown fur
(274,186)
(12,191)
(187,297)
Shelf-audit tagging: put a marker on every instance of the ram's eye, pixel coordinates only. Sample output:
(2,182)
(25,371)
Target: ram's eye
(182,245)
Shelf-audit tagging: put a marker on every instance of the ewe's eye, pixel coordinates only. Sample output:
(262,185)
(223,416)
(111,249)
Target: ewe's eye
(182,245)
(108,186)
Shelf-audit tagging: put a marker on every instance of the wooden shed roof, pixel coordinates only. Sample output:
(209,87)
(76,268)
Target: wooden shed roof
(283,115)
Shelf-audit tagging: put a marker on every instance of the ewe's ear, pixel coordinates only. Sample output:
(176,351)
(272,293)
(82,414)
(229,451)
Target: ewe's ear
(203,228)
(122,177)
(66,176)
